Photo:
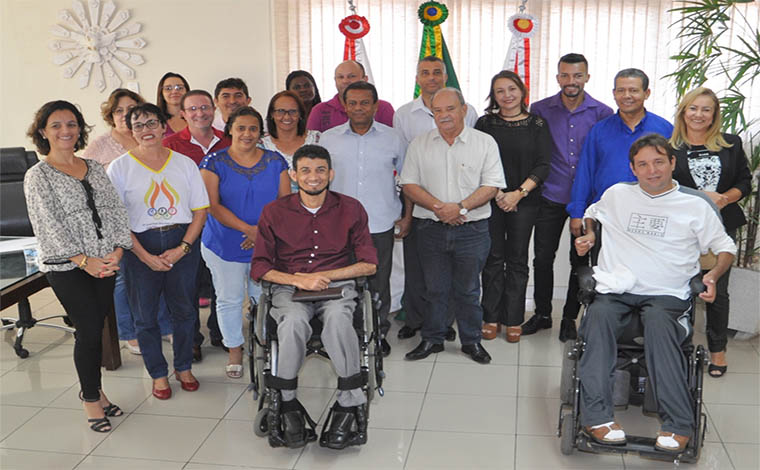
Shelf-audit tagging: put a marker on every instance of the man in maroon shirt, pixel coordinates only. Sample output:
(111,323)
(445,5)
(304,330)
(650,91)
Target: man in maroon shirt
(196,141)
(312,240)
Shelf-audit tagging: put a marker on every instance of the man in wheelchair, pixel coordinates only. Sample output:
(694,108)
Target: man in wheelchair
(653,235)
(311,241)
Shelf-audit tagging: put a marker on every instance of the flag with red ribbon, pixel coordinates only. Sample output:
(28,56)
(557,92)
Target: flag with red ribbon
(355,27)
(523,27)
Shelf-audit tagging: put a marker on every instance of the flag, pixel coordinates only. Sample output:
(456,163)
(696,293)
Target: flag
(432,14)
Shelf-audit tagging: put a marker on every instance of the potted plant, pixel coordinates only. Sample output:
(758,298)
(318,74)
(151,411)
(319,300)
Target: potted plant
(703,27)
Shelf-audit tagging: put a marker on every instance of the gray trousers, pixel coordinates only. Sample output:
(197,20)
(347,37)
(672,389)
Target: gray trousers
(666,326)
(338,337)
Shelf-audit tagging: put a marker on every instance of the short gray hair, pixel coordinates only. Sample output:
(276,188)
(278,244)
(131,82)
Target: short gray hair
(632,73)
(456,91)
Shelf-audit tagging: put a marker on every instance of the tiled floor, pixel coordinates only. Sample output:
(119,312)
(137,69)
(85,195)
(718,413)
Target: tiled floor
(443,412)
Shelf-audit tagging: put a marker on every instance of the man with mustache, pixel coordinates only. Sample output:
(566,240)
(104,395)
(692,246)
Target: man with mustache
(196,141)
(570,113)
(230,95)
(450,174)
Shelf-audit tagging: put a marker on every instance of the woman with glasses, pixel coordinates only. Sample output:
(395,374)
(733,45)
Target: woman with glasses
(171,88)
(81,230)
(166,202)
(240,181)
(104,149)
(715,164)
(286,122)
(301,82)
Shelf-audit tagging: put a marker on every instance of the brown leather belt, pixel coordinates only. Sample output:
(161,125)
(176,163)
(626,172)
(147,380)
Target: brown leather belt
(164,228)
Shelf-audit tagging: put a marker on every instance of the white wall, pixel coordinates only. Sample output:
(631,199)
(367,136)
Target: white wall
(204,41)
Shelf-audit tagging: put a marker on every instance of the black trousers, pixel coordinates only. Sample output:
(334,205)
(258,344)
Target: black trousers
(206,289)
(505,276)
(86,300)
(717,312)
(380,282)
(550,223)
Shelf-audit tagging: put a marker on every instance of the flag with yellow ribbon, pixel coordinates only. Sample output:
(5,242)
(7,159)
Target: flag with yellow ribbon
(432,14)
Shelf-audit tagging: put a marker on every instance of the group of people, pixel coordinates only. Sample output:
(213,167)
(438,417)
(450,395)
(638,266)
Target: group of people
(201,192)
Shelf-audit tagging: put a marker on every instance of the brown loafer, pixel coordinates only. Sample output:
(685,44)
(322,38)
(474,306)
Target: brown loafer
(671,442)
(513,334)
(490,330)
(605,435)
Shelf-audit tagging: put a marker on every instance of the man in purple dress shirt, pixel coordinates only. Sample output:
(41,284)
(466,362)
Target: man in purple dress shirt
(570,113)
(331,113)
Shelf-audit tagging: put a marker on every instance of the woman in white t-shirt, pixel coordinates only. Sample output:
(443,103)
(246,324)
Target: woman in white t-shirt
(166,202)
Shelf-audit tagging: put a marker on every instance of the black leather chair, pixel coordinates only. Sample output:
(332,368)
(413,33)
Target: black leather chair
(14,222)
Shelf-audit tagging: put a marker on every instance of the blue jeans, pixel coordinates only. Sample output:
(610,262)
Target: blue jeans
(230,281)
(125,322)
(452,258)
(177,285)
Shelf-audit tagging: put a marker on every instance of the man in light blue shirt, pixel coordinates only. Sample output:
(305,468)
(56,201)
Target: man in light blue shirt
(366,156)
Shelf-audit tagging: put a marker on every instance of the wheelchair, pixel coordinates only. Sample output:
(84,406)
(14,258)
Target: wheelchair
(263,354)
(631,383)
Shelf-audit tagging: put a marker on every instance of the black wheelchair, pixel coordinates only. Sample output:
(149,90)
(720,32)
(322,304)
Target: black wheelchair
(263,353)
(632,385)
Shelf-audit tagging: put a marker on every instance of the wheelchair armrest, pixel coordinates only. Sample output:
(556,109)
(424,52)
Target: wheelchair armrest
(696,286)
(586,284)
(316,296)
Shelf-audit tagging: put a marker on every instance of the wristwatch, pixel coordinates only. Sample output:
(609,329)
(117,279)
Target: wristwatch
(523,192)
(186,247)
(462,210)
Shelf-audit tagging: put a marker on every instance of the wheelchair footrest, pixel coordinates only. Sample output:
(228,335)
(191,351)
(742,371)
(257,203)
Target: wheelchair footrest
(644,446)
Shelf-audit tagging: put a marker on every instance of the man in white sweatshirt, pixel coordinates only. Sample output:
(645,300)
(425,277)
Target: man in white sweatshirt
(654,232)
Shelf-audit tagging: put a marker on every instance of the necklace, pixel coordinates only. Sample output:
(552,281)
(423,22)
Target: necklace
(512,116)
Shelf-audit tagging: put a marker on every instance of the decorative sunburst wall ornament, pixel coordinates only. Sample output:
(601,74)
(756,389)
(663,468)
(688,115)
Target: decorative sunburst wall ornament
(94,44)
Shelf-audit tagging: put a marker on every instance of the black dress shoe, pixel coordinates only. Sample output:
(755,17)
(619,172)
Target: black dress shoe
(340,435)
(197,354)
(536,322)
(407,332)
(423,350)
(567,330)
(477,353)
(385,347)
(451,334)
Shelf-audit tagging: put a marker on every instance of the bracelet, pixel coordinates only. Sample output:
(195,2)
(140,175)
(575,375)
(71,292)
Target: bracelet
(186,247)
(83,263)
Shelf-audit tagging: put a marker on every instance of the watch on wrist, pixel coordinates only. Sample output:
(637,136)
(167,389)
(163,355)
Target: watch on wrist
(523,192)
(462,210)
(186,247)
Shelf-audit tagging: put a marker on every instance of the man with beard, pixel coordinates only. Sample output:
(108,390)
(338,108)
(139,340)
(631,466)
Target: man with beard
(230,95)
(313,240)
(570,113)
(366,155)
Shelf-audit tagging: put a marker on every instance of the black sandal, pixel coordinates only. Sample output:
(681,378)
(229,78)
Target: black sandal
(716,371)
(100,424)
(113,411)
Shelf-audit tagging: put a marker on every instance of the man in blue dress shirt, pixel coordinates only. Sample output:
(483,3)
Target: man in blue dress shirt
(571,114)
(366,156)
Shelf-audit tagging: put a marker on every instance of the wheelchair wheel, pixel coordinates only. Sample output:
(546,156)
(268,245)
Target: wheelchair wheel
(567,382)
(371,349)
(567,440)
(260,425)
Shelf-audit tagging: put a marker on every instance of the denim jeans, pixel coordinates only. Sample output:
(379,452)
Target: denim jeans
(230,281)
(452,259)
(505,276)
(549,226)
(125,322)
(177,285)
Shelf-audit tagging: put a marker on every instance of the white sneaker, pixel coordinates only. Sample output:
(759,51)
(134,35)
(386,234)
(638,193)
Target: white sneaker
(134,349)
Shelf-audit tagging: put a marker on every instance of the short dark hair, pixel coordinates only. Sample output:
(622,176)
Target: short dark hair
(632,73)
(108,107)
(243,111)
(573,58)
(434,59)
(40,122)
(195,93)
(361,85)
(272,128)
(303,73)
(656,141)
(493,106)
(312,152)
(160,101)
(231,82)
(143,109)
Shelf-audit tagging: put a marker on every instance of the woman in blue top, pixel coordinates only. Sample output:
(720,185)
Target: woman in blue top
(240,181)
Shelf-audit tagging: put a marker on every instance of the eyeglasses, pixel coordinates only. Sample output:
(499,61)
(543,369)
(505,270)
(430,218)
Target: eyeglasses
(174,87)
(139,126)
(203,107)
(283,112)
